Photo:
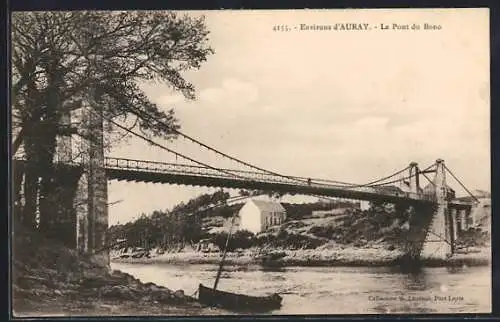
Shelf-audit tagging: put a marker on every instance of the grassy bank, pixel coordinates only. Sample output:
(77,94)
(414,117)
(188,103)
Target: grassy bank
(49,279)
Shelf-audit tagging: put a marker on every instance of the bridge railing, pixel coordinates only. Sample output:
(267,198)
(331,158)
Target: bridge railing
(185,169)
(157,166)
(164,167)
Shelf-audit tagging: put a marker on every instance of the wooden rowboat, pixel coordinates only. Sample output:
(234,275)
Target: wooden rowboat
(238,302)
(233,301)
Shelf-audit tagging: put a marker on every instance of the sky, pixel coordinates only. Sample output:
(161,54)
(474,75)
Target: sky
(345,105)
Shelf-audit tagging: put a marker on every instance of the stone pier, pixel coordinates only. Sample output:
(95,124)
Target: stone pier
(439,240)
(92,218)
(434,229)
(419,217)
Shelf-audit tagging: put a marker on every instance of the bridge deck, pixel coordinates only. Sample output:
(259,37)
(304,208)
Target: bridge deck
(160,172)
(182,174)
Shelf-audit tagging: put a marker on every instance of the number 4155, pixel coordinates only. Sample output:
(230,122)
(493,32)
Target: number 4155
(281,28)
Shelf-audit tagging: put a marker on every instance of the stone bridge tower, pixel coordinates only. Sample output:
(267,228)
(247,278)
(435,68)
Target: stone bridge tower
(414,178)
(439,241)
(430,233)
(92,196)
(89,222)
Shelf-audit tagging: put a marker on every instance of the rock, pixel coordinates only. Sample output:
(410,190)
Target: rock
(151,287)
(121,275)
(71,292)
(197,305)
(162,297)
(179,294)
(93,282)
(57,292)
(120,292)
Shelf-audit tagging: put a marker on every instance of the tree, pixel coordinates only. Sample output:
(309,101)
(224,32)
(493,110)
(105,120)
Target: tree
(181,225)
(92,63)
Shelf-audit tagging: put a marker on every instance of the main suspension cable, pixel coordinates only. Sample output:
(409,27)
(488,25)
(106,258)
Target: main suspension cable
(213,149)
(373,183)
(241,161)
(165,148)
(394,181)
(254,166)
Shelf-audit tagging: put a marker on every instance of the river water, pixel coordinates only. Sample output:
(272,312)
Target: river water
(337,290)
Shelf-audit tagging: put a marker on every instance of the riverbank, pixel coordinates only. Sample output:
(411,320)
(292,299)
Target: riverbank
(48,279)
(45,305)
(117,294)
(328,255)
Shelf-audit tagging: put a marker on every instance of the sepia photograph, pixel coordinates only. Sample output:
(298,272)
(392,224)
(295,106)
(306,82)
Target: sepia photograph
(250,162)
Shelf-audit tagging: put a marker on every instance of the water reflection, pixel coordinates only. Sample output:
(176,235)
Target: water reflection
(415,281)
(338,290)
(456,269)
(271,268)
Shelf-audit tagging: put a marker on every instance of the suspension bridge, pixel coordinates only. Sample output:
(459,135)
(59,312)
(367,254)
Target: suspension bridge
(124,169)
(436,210)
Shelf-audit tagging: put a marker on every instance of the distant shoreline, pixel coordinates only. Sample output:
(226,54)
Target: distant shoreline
(350,257)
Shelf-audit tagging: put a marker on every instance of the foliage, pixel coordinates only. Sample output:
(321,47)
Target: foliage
(301,211)
(359,227)
(288,240)
(182,225)
(271,194)
(103,57)
(90,64)
(472,237)
(242,239)
(323,231)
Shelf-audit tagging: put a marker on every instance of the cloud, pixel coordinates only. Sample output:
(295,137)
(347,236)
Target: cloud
(345,106)
(170,99)
(232,91)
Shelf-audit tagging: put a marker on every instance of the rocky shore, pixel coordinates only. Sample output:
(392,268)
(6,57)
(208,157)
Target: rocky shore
(116,293)
(51,280)
(330,255)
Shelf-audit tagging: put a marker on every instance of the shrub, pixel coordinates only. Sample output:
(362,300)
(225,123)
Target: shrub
(241,239)
(472,237)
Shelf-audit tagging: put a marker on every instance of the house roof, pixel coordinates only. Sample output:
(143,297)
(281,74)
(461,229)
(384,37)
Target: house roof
(268,205)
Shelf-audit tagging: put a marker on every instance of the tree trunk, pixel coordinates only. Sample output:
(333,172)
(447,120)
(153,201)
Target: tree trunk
(18,174)
(49,199)
(30,122)
(30,197)
(47,202)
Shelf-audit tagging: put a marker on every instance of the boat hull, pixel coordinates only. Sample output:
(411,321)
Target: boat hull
(238,302)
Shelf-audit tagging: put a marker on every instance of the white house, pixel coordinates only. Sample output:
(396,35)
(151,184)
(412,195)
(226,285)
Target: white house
(259,215)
